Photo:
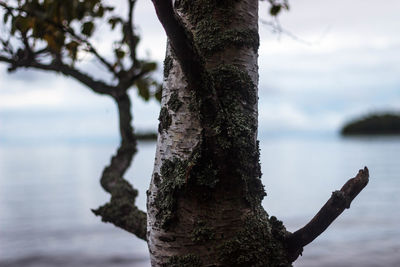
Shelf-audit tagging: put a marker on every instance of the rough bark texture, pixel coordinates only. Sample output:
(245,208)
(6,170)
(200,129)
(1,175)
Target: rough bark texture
(204,201)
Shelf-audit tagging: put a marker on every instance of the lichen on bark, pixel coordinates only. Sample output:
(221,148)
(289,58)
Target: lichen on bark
(228,95)
(259,243)
(236,127)
(188,260)
(168,63)
(211,40)
(173,179)
(212,32)
(202,233)
(174,103)
(165,120)
(214,180)
(195,174)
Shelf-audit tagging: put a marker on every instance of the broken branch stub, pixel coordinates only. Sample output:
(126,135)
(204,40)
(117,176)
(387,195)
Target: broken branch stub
(337,203)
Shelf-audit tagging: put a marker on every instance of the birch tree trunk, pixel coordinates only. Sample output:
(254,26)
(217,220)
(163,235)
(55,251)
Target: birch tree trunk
(204,201)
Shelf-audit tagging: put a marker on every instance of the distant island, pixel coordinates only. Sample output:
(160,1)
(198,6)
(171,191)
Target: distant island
(375,124)
(146,136)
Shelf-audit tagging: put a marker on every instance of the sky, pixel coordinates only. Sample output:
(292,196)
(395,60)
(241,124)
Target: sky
(336,60)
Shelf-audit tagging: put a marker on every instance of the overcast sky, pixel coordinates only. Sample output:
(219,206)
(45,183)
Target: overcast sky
(344,61)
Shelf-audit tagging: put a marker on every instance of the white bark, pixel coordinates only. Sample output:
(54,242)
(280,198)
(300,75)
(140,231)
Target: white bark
(179,141)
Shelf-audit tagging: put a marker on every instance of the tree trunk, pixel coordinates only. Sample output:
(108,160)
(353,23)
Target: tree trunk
(204,201)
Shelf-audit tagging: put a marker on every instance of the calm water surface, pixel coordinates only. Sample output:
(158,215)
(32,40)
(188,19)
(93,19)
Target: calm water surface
(48,189)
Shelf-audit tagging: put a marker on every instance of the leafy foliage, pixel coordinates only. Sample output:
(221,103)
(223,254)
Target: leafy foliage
(51,20)
(277,6)
(62,32)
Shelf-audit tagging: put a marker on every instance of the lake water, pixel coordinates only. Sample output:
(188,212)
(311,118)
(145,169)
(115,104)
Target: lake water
(48,188)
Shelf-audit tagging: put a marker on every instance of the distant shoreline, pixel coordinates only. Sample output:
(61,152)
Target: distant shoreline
(373,125)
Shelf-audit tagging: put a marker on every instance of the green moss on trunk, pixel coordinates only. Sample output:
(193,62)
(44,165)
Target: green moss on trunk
(211,40)
(212,32)
(260,243)
(226,158)
(202,233)
(173,179)
(189,260)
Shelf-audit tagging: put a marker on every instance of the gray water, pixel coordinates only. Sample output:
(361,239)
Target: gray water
(48,188)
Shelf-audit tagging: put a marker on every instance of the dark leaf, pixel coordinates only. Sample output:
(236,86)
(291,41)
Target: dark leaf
(143,88)
(275,9)
(5,18)
(149,66)
(114,21)
(158,93)
(72,48)
(119,53)
(87,28)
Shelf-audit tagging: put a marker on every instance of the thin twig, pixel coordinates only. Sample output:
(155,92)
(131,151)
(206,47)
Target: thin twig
(130,34)
(277,28)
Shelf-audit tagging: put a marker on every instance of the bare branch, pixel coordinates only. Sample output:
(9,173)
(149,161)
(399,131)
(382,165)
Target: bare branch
(181,42)
(121,210)
(6,46)
(339,201)
(8,8)
(129,33)
(278,29)
(42,51)
(126,81)
(6,59)
(95,85)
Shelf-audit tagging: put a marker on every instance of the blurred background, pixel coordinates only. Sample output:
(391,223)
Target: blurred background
(334,61)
